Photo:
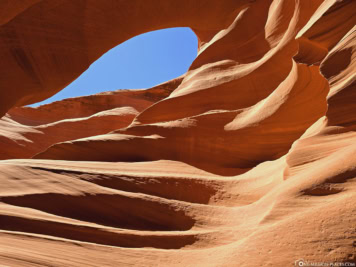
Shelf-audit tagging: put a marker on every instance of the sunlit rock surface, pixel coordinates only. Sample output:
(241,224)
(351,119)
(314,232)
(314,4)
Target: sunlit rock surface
(249,159)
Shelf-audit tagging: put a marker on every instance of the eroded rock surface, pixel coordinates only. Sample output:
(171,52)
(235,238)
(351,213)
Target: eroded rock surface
(249,159)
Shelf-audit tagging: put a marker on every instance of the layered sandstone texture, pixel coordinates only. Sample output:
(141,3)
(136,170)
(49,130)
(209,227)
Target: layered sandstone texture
(249,159)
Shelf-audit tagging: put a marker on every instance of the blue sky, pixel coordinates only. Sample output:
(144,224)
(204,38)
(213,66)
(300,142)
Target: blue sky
(141,62)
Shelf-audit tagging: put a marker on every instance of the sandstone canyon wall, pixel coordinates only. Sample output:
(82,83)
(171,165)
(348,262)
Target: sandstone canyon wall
(249,159)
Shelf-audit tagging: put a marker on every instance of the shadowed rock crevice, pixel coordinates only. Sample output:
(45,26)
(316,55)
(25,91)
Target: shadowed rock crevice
(164,187)
(95,235)
(119,211)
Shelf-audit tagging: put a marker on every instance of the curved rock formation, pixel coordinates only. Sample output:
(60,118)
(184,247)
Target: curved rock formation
(249,159)
(26,131)
(49,44)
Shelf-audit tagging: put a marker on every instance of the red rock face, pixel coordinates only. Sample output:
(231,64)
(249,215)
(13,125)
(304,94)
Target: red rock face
(248,159)
(26,131)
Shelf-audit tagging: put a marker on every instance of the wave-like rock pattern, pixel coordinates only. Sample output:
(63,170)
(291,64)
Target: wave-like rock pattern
(249,159)
(23,129)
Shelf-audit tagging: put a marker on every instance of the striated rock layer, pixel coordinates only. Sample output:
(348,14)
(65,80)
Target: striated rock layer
(26,131)
(249,159)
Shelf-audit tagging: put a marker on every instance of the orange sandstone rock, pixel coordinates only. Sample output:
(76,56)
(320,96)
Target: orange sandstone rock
(249,159)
